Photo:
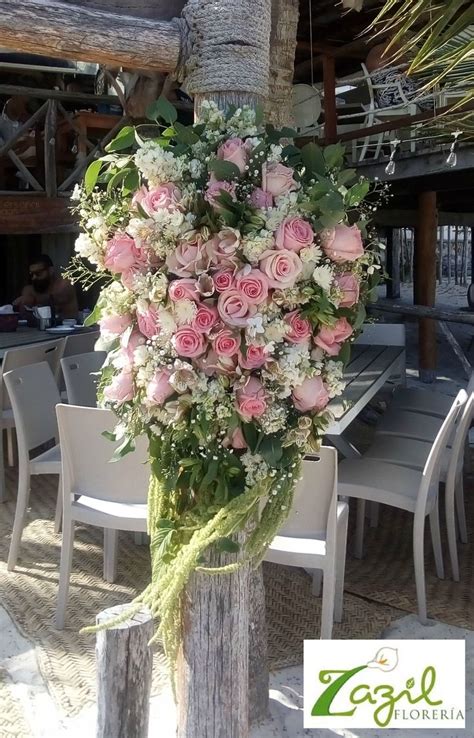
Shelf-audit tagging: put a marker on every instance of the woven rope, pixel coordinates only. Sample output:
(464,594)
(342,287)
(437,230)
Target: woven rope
(225,46)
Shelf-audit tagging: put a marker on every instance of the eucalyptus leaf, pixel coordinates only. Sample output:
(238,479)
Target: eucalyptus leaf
(185,134)
(345,353)
(124,139)
(224,170)
(334,155)
(313,159)
(162,108)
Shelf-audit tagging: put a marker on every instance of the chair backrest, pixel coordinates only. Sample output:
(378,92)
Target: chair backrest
(382,334)
(34,395)
(462,429)
(80,376)
(431,471)
(313,512)
(50,351)
(86,457)
(80,343)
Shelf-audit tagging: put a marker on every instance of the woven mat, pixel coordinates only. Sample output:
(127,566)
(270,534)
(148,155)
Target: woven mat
(66,658)
(12,723)
(386,574)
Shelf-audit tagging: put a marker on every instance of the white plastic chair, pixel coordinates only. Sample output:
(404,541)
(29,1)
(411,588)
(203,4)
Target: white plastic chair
(427,402)
(413,454)
(34,394)
(80,343)
(50,351)
(112,496)
(314,536)
(406,489)
(80,377)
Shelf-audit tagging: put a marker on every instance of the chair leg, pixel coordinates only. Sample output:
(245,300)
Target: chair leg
(436,541)
(374,514)
(3,491)
(327,608)
(21,505)
(419,560)
(10,447)
(64,573)
(110,554)
(359,537)
(451,527)
(460,509)
(341,543)
(59,508)
(317,576)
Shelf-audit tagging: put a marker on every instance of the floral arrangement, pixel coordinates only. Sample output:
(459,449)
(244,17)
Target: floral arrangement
(236,276)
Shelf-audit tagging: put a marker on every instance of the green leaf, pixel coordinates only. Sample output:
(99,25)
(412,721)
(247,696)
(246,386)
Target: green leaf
(91,175)
(331,219)
(124,139)
(334,155)
(185,134)
(126,447)
(291,154)
(163,109)
(94,316)
(258,115)
(224,170)
(211,474)
(131,181)
(360,317)
(117,179)
(227,545)
(109,435)
(345,176)
(313,159)
(271,450)
(345,353)
(287,132)
(356,193)
(250,435)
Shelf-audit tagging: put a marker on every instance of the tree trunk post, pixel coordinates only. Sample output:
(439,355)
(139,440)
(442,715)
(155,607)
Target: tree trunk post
(330,110)
(124,666)
(221,615)
(425,282)
(393,263)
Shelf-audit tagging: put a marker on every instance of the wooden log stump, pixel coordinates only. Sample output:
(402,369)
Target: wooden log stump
(212,669)
(124,666)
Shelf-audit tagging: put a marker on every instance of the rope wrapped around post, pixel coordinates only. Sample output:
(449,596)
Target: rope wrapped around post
(225,46)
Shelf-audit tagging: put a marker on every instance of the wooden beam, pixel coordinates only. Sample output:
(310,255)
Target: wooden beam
(23,129)
(393,262)
(330,110)
(421,311)
(399,218)
(45,94)
(424,283)
(57,29)
(50,183)
(33,212)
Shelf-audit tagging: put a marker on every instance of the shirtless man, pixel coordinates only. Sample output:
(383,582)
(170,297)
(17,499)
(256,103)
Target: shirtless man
(47,287)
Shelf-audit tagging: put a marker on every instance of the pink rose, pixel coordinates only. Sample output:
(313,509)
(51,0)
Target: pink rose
(278,179)
(235,151)
(115,324)
(189,342)
(164,197)
(148,322)
(261,199)
(187,259)
(226,343)
(122,254)
(205,318)
(159,389)
(299,329)
(253,285)
(342,243)
(222,247)
(121,387)
(250,400)
(331,338)
(212,364)
(294,234)
(183,289)
(213,191)
(223,280)
(234,308)
(129,343)
(281,268)
(311,395)
(350,285)
(255,357)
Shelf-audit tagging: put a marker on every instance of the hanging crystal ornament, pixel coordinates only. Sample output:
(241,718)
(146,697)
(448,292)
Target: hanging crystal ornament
(452,159)
(390,168)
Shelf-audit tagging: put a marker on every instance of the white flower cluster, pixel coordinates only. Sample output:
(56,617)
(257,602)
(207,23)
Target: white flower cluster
(256,469)
(157,165)
(333,378)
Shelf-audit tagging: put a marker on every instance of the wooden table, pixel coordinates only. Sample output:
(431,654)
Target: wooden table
(25,336)
(366,373)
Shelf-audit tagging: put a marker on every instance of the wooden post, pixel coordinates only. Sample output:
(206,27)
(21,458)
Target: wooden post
(393,262)
(330,111)
(425,282)
(124,666)
(50,183)
(449,254)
